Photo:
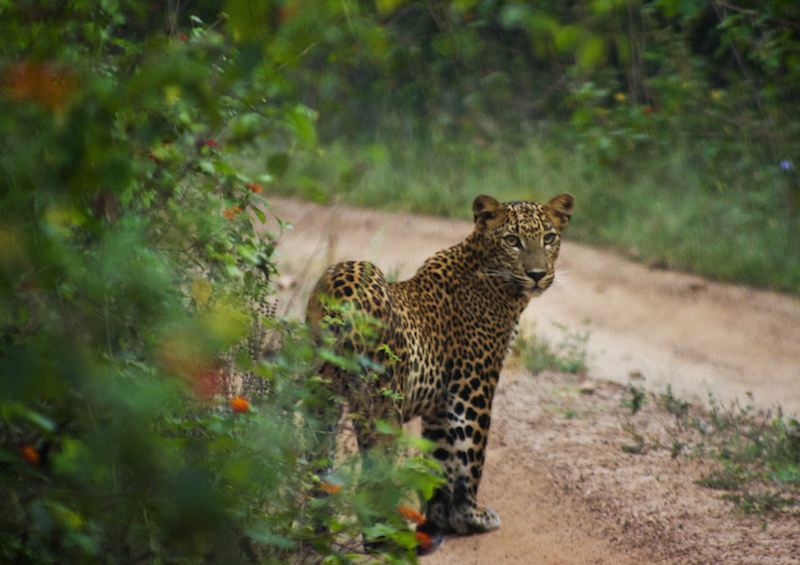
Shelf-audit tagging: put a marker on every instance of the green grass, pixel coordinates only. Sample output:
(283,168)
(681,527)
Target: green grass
(758,452)
(569,355)
(659,208)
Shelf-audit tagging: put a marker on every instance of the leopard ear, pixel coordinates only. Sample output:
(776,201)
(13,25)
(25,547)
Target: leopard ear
(559,209)
(488,211)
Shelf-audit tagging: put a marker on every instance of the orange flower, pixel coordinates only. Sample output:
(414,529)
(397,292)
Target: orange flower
(30,454)
(229,214)
(424,540)
(409,513)
(240,405)
(330,488)
(252,186)
(647,110)
(237,209)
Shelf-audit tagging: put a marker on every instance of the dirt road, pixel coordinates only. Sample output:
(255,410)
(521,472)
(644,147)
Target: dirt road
(565,492)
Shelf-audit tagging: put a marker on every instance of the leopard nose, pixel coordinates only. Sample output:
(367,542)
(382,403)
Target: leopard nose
(536,274)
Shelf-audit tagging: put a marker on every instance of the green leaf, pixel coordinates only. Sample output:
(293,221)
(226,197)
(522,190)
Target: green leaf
(248,19)
(223,168)
(41,421)
(302,121)
(591,53)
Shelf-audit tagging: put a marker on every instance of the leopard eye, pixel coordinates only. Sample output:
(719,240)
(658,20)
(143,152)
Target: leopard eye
(549,238)
(513,241)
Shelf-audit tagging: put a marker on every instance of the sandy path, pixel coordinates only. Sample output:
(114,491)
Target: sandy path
(564,490)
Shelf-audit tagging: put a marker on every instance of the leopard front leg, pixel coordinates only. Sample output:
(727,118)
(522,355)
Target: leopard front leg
(459,447)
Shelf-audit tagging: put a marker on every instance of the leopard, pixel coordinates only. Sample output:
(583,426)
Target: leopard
(439,341)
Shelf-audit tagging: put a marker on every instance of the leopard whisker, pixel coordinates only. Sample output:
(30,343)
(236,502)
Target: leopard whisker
(563,282)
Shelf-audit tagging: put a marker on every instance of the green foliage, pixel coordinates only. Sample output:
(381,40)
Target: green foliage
(759,453)
(569,355)
(636,401)
(129,266)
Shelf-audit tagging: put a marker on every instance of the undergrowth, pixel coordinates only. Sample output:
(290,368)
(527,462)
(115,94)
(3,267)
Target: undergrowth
(569,355)
(758,451)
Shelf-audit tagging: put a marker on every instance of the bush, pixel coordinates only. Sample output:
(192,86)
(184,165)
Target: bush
(129,268)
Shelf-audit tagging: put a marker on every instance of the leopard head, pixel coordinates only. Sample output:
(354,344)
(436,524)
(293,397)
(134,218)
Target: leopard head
(521,240)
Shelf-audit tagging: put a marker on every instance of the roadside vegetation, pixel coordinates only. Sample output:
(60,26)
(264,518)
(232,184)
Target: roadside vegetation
(757,452)
(569,355)
(148,413)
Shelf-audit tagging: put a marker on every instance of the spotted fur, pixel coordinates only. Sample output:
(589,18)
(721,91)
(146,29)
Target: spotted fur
(447,330)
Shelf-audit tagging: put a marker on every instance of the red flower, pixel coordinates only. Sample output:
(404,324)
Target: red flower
(183,37)
(423,539)
(239,405)
(30,454)
(252,186)
(211,144)
(647,110)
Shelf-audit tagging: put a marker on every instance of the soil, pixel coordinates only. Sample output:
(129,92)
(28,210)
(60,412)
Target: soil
(556,473)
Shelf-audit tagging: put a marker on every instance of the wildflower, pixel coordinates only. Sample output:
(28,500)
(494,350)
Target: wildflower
(183,37)
(30,454)
(424,540)
(786,165)
(619,97)
(211,144)
(330,488)
(716,94)
(647,110)
(237,209)
(252,186)
(229,214)
(409,513)
(239,405)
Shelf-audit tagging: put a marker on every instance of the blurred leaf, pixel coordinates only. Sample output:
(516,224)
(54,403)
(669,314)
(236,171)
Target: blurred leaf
(278,164)
(201,291)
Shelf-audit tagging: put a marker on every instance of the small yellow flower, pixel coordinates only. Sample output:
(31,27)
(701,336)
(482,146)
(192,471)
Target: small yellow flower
(716,94)
(619,97)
